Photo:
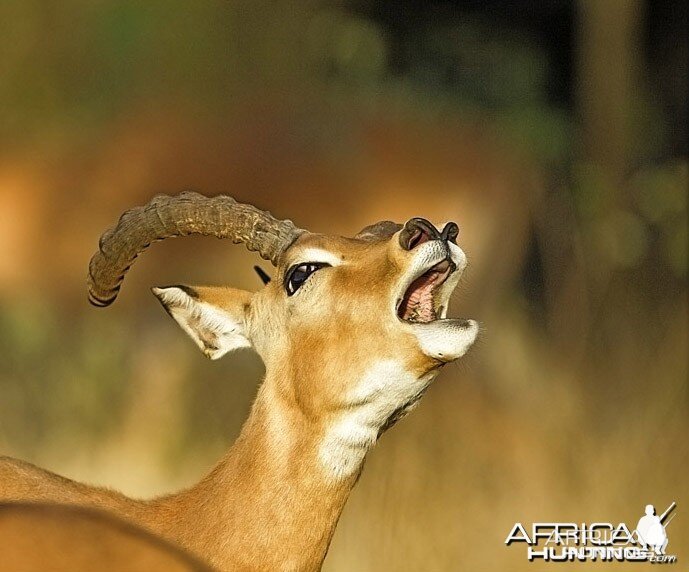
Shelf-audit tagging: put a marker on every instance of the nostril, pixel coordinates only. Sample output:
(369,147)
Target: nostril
(418,237)
(450,232)
(414,240)
(417,231)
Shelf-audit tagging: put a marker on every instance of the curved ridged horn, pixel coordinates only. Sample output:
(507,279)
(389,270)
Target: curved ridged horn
(182,215)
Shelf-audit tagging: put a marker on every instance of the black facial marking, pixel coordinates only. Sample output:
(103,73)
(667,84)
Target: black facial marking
(262,274)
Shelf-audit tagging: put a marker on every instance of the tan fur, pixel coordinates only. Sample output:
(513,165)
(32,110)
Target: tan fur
(61,538)
(273,501)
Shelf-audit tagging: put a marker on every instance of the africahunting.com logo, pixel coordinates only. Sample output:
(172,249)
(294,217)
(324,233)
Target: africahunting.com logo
(598,541)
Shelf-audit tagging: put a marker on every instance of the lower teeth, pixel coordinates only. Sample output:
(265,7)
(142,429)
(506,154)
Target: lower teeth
(416,316)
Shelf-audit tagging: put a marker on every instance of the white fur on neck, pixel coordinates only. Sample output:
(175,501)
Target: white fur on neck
(385,388)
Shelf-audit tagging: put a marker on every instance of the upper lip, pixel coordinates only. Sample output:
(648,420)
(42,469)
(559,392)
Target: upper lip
(424,285)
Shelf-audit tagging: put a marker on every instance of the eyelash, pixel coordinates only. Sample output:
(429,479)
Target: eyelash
(307,268)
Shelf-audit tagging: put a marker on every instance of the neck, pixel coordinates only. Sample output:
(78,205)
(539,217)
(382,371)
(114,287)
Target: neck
(271,503)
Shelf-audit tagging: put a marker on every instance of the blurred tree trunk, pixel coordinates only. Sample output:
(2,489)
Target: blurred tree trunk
(609,57)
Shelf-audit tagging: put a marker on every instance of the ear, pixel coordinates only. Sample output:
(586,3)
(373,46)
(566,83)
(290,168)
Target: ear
(214,317)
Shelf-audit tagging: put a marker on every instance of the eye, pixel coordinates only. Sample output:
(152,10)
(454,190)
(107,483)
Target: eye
(299,273)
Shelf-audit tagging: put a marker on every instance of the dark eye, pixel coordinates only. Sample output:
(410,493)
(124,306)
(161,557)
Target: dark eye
(299,273)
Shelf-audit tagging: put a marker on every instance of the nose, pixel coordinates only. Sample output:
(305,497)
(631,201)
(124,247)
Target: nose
(450,232)
(418,230)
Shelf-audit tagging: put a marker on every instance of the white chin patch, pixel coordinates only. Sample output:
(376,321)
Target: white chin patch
(446,340)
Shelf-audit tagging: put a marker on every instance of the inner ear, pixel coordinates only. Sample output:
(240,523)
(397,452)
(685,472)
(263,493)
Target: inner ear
(214,317)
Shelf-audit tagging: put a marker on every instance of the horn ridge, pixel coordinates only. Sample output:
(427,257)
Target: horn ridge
(188,213)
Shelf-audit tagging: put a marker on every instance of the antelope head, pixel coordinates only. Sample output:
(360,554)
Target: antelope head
(351,330)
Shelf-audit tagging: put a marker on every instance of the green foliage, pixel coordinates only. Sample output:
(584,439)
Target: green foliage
(61,376)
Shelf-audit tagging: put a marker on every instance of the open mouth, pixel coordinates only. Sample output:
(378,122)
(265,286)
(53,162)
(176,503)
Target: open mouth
(418,305)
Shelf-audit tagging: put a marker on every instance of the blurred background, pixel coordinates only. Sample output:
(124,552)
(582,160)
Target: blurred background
(554,133)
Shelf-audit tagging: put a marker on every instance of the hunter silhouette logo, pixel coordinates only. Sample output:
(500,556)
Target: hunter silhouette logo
(598,541)
(651,528)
